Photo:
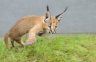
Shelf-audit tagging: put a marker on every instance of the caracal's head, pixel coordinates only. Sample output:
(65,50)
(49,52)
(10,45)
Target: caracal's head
(53,21)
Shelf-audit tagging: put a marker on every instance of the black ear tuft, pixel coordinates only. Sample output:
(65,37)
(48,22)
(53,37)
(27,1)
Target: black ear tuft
(62,12)
(47,8)
(65,9)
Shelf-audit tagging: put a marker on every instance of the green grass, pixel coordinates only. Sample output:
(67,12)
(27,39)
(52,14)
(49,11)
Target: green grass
(56,48)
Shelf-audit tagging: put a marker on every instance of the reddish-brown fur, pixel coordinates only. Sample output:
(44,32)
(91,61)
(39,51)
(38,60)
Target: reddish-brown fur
(39,28)
(22,27)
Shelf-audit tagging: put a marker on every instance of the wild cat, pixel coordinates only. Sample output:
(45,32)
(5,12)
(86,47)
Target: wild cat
(26,23)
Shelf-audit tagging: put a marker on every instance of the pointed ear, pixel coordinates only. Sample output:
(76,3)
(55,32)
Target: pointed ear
(61,13)
(47,15)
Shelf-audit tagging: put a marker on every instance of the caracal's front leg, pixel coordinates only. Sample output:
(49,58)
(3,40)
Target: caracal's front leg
(31,39)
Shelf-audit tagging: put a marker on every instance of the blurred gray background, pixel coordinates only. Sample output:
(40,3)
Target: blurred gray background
(79,18)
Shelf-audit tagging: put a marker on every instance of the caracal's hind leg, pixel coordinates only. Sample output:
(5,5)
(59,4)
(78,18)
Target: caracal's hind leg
(12,42)
(19,42)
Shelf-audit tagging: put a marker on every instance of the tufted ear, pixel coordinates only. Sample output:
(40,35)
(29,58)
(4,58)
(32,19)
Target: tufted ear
(57,17)
(47,15)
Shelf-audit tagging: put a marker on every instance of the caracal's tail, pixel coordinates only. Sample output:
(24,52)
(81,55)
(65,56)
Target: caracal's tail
(6,40)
